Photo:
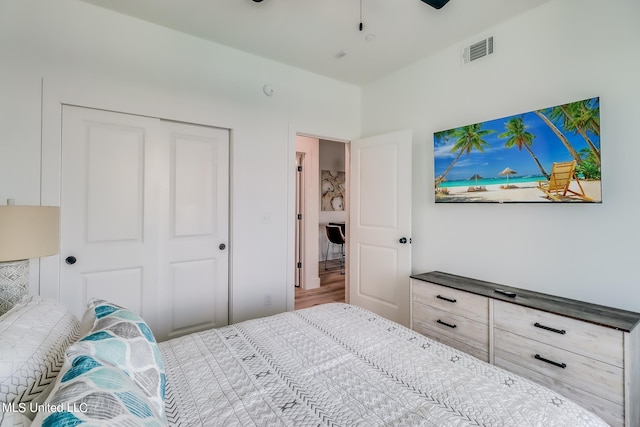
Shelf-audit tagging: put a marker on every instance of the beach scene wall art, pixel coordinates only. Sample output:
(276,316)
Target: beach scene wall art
(550,155)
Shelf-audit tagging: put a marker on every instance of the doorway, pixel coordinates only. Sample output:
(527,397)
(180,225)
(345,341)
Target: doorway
(321,199)
(378,254)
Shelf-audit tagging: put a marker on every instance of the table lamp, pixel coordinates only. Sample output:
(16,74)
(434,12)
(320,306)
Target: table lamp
(25,232)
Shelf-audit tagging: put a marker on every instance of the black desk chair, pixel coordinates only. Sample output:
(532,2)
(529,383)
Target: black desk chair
(335,236)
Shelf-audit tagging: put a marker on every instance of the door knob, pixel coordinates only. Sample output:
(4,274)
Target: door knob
(403,240)
(222,246)
(70,260)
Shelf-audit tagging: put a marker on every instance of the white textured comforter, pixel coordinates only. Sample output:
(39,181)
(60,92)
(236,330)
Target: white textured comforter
(340,365)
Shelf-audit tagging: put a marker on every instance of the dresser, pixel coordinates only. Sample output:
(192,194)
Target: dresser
(586,352)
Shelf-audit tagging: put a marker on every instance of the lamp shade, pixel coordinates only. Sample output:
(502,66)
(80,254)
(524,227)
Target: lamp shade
(29,232)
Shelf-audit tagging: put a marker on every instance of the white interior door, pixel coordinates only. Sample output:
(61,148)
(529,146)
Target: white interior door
(194,260)
(380,224)
(144,210)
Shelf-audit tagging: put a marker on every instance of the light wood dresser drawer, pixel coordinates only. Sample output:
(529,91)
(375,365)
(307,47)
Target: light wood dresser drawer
(581,360)
(454,330)
(597,386)
(593,341)
(456,318)
(474,307)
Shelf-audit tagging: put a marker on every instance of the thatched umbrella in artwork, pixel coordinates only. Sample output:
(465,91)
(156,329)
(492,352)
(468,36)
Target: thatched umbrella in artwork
(476,177)
(508,171)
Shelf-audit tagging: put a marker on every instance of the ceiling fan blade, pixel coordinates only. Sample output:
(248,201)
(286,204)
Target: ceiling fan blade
(436,3)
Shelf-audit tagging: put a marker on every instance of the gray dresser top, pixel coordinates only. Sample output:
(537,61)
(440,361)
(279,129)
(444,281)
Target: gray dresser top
(598,314)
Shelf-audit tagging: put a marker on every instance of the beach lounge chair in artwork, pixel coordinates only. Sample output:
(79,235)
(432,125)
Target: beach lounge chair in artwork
(558,185)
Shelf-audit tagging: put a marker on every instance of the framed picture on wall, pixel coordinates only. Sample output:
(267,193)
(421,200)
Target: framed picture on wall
(547,155)
(332,190)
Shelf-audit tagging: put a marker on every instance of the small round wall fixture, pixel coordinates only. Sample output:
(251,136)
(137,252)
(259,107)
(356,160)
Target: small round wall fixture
(267,89)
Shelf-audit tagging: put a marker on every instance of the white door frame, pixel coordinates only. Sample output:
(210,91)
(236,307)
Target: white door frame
(300,220)
(309,147)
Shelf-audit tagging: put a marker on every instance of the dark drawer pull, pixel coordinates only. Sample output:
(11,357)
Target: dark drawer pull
(557,331)
(445,298)
(446,324)
(560,365)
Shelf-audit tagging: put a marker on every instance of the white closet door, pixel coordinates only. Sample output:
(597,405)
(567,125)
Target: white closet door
(194,261)
(143,211)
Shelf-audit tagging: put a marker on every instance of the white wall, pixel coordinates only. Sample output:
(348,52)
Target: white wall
(67,51)
(563,51)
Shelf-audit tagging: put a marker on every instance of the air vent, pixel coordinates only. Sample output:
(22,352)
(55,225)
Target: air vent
(478,50)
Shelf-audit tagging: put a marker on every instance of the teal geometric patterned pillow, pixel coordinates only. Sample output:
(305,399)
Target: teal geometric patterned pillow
(93,393)
(122,339)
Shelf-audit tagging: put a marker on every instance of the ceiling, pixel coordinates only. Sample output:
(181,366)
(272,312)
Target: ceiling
(323,36)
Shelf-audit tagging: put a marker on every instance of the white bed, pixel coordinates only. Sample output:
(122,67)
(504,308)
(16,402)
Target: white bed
(329,365)
(340,365)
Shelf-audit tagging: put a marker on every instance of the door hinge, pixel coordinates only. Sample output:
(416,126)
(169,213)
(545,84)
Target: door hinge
(299,217)
(299,168)
(299,265)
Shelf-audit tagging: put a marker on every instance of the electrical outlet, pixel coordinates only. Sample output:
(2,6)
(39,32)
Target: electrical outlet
(267,299)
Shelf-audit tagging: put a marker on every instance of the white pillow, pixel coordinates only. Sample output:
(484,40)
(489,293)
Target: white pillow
(34,335)
(13,418)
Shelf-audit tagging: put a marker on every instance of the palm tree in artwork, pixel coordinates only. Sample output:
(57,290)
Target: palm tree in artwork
(544,115)
(581,117)
(468,138)
(516,132)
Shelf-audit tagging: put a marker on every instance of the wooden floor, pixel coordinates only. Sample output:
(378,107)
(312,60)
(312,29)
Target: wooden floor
(331,288)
